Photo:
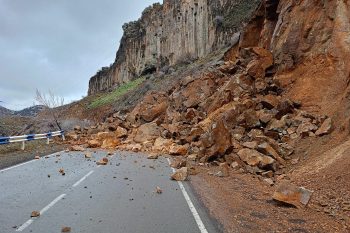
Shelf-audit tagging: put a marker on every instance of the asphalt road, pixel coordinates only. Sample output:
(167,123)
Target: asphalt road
(117,198)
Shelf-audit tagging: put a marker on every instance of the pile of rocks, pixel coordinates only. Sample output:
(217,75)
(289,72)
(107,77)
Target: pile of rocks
(234,115)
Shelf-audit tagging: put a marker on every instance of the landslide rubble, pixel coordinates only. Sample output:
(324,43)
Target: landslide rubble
(233,115)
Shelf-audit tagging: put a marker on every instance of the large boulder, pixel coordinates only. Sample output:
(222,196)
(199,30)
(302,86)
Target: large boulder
(161,144)
(94,143)
(178,149)
(153,105)
(255,158)
(325,128)
(218,140)
(262,60)
(267,149)
(110,143)
(269,101)
(194,91)
(104,135)
(292,194)
(180,174)
(250,157)
(305,128)
(147,132)
(121,132)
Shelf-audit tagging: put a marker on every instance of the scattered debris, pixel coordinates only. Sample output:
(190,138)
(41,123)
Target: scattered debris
(159,190)
(35,214)
(77,148)
(66,229)
(152,156)
(62,171)
(103,161)
(37,157)
(88,155)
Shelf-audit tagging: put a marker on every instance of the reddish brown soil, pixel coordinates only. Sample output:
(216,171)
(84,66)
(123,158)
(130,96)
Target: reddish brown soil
(242,203)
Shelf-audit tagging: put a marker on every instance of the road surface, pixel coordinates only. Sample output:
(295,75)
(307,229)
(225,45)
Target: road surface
(117,198)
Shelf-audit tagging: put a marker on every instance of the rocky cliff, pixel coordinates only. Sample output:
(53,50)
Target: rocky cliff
(310,43)
(171,33)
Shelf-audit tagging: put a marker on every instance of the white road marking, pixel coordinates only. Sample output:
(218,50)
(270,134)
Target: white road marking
(21,164)
(25,225)
(18,165)
(193,210)
(82,179)
(46,208)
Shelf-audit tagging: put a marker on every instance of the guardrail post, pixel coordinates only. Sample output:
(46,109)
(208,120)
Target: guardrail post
(23,145)
(63,137)
(48,141)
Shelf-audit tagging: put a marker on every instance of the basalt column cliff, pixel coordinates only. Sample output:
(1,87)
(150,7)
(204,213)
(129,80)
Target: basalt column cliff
(174,32)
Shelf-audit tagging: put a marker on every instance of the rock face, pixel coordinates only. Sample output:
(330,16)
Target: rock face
(198,27)
(317,40)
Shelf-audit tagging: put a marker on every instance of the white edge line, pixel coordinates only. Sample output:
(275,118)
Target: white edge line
(46,208)
(82,179)
(33,160)
(193,210)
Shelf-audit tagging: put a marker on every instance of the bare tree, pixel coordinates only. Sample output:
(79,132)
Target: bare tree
(51,102)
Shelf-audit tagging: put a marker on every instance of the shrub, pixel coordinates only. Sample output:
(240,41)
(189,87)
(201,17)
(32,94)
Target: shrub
(110,97)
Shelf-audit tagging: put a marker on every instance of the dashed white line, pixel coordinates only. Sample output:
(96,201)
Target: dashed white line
(193,210)
(21,164)
(82,179)
(25,225)
(46,208)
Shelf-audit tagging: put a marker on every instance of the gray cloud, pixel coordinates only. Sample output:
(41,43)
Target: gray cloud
(58,45)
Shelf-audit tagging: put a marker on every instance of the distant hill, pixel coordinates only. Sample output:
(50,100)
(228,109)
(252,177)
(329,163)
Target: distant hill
(30,112)
(12,122)
(27,112)
(5,112)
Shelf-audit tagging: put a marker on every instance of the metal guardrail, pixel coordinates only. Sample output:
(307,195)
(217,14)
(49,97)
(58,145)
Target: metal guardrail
(31,137)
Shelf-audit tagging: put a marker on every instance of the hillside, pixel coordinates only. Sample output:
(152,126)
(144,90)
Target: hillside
(5,112)
(242,118)
(30,111)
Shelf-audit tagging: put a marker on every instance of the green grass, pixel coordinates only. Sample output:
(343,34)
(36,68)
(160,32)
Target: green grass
(110,97)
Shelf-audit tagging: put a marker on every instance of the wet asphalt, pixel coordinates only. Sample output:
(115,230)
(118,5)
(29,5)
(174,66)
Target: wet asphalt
(116,198)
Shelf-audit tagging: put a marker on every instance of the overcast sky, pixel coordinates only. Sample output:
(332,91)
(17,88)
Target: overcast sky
(58,45)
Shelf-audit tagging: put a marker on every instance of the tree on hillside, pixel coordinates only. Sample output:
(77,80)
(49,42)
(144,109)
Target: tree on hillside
(51,102)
